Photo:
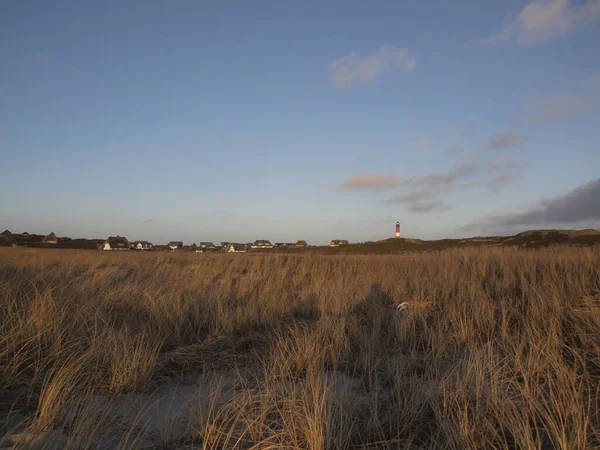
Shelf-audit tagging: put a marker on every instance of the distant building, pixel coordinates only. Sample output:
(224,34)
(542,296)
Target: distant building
(175,245)
(262,243)
(284,244)
(142,245)
(235,248)
(338,242)
(301,244)
(116,243)
(6,233)
(206,247)
(51,239)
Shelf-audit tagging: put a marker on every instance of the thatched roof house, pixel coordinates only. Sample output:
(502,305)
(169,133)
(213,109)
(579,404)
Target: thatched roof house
(51,239)
(116,243)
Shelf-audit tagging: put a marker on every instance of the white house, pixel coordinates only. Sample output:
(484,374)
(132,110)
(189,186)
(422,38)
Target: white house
(338,242)
(175,245)
(142,245)
(235,248)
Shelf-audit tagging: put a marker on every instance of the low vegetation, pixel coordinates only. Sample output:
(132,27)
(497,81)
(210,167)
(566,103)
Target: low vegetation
(466,348)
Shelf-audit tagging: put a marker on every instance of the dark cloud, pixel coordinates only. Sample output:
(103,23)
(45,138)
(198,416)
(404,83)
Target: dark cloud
(580,205)
(505,140)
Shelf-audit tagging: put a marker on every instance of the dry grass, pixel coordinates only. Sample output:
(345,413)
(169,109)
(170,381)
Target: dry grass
(494,348)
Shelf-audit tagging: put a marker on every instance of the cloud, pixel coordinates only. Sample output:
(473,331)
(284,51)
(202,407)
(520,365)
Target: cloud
(543,20)
(492,174)
(505,140)
(354,69)
(439,180)
(415,196)
(580,205)
(149,221)
(495,183)
(421,143)
(455,144)
(433,179)
(425,207)
(538,111)
(371,181)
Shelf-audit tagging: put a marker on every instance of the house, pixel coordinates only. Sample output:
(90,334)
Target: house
(6,233)
(301,244)
(51,239)
(235,248)
(206,247)
(284,244)
(175,245)
(338,242)
(142,245)
(262,243)
(116,243)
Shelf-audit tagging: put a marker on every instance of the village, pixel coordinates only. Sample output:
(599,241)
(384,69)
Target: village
(120,243)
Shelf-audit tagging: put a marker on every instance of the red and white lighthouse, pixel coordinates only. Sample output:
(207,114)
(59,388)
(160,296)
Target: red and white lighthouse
(397,230)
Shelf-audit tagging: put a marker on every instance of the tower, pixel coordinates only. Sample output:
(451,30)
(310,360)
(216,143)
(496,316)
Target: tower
(397,230)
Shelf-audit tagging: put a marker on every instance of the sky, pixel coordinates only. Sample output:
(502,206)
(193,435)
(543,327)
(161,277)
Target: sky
(236,121)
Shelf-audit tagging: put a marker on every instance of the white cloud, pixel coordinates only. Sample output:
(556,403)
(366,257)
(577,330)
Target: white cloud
(538,111)
(544,20)
(353,69)
(421,143)
(371,181)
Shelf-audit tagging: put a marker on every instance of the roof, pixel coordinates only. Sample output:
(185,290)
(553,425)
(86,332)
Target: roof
(262,242)
(176,244)
(6,233)
(52,237)
(301,242)
(142,242)
(206,244)
(117,242)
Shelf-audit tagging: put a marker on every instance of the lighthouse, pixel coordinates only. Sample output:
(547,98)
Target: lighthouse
(397,230)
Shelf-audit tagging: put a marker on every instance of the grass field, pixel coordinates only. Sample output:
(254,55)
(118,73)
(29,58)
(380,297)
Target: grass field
(467,348)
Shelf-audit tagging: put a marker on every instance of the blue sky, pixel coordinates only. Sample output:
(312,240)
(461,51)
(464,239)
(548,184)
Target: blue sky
(298,120)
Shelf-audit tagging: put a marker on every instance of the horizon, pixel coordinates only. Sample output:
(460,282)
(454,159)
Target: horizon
(221,242)
(201,122)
